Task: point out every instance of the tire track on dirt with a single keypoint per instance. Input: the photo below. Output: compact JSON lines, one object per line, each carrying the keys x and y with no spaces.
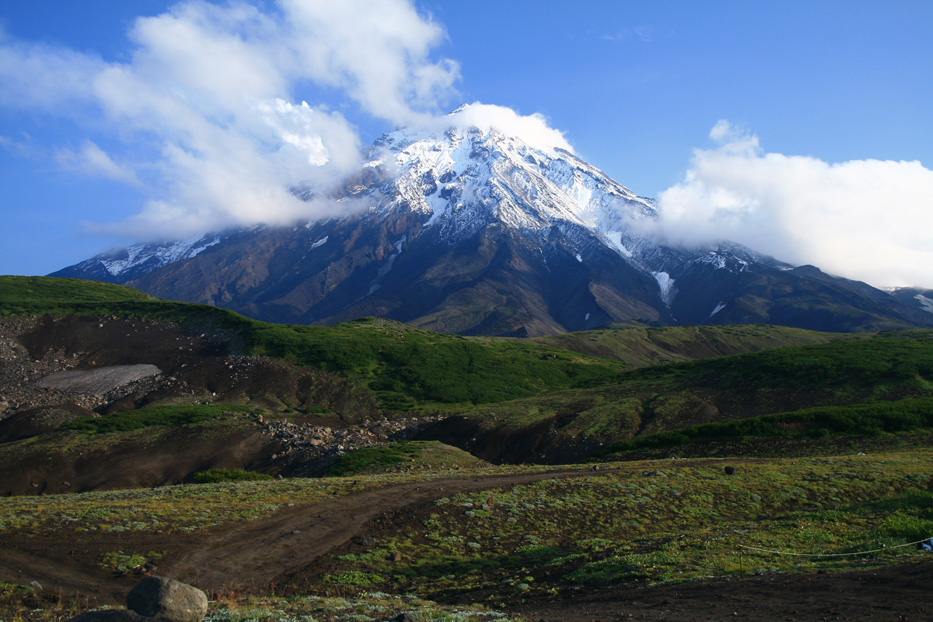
{"x":251,"y":555}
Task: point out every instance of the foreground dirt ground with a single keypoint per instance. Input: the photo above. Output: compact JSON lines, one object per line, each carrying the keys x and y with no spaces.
{"x":292,"y":546}
{"x":893,"y":594}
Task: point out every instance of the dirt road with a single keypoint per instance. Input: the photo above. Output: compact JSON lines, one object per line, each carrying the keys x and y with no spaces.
{"x":294,"y":542}
{"x":279,"y":548}
{"x":245,"y":555}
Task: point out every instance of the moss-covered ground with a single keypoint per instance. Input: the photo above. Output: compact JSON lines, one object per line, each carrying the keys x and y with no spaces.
{"x":664,"y":521}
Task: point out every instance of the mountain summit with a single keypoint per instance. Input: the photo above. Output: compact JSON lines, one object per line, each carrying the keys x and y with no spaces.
{"x":468,"y":227}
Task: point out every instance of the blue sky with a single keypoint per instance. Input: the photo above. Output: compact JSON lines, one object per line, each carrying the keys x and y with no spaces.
{"x":802,"y":129}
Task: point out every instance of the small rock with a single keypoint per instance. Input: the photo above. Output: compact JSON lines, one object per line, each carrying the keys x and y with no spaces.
{"x":730,"y":470}
{"x":396,"y":557}
{"x":168,"y":599}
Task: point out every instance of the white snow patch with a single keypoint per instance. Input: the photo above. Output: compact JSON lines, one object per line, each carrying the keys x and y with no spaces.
{"x":666,"y":285}
{"x":163,"y":255}
{"x":320,"y":242}
{"x":587,"y":317}
{"x":579,"y":258}
{"x":718,"y":308}
{"x":615,"y":238}
{"x":714,"y":259}
{"x":198,"y":250}
{"x":925,"y":303}
{"x":384,"y":270}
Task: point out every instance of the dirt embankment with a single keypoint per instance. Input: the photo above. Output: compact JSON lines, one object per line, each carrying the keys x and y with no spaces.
{"x":54,"y":369}
{"x":195,"y":368}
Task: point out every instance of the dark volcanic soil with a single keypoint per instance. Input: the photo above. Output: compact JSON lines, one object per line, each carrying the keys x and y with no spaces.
{"x":195,"y":368}
{"x":295,"y":544}
{"x":182,"y":367}
{"x":893,"y":594}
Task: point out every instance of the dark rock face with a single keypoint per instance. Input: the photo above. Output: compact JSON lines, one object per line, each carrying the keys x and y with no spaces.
{"x":167,"y":599}
{"x":496,"y":282}
{"x":502,"y":282}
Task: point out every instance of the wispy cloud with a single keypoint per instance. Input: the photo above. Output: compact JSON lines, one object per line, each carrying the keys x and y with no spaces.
{"x":94,"y":161}
{"x":864,"y":219}
{"x":208,"y":103}
{"x":643,"y":34}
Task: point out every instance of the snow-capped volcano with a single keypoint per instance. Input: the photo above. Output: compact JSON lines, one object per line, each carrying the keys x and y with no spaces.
{"x":465,"y":178}
{"x":484,"y":223}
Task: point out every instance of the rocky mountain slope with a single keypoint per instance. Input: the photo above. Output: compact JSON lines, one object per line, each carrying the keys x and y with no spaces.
{"x":471,"y":230}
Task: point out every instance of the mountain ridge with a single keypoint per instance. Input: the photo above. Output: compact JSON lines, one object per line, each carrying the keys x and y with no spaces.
{"x":475,"y":231}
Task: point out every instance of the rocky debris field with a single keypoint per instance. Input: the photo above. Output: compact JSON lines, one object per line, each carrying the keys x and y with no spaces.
{"x":307,"y":449}
{"x":20,"y":371}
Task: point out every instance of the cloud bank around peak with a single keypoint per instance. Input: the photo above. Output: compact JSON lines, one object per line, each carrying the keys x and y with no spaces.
{"x":532,"y":129}
{"x":210,"y":114}
{"x":868,"y":220}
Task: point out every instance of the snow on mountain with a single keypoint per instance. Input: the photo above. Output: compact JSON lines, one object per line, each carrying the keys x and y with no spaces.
{"x":925,"y":303}
{"x":485,"y":222}
{"x":157,"y":255}
{"x":121,"y":265}
{"x":465,"y":177}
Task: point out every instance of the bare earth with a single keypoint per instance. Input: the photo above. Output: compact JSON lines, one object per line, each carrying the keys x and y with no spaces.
{"x":293,"y":545}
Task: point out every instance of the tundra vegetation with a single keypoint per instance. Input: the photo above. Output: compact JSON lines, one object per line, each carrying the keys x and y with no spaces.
{"x":700,"y":452}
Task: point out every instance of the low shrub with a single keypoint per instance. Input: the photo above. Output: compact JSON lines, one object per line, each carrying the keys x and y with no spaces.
{"x":160,"y":416}
{"x":214,"y":476}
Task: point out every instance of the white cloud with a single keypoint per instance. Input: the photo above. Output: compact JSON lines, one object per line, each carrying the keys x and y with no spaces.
{"x":868,"y":220}
{"x":94,"y":161}
{"x":44,"y":76}
{"x":532,"y":129}
{"x":377,"y":51}
{"x":207,"y":103}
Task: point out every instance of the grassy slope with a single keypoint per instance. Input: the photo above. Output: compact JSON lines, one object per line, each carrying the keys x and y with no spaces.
{"x":888,"y":366}
{"x":783,"y":433}
{"x":26,"y":294}
{"x":400,"y":457}
{"x":645,"y":523}
{"x":406,"y":366}
{"x":146,"y":447}
{"x":411,"y":368}
{"x":642,"y":347}
{"x":657,"y":522}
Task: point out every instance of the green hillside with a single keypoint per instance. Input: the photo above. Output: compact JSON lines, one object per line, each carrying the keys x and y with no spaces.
{"x":642,"y":347}
{"x":536,"y":384}
{"x":407,"y":367}
{"x":34,"y":294}
{"x":885,"y":367}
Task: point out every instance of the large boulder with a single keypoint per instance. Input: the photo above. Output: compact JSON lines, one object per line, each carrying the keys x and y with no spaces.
{"x":168,"y":599}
